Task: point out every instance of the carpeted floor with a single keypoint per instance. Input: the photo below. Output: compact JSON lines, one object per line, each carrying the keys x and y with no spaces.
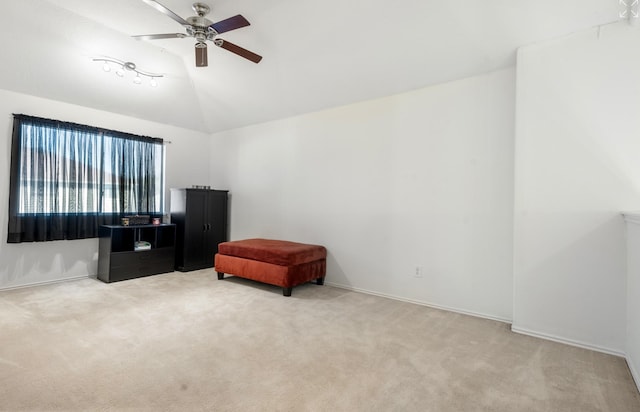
{"x":189,"y":342}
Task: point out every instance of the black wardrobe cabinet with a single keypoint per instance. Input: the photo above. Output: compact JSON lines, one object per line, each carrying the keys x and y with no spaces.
{"x":200,"y":216}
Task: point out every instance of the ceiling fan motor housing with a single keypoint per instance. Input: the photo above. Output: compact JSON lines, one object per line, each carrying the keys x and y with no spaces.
{"x":201,"y":26}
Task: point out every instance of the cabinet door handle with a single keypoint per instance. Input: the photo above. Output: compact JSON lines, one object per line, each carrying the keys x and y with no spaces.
{"x":208,"y":226}
{"x":204,"y":227}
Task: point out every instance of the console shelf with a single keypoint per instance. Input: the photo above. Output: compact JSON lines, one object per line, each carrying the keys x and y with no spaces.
{"x":128,"y":252}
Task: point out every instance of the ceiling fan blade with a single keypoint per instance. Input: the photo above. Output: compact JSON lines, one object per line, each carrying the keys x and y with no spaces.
{"x":160,"y":36}
{"x":162,"y":9}
{"x":229,"y":24}
{"x":238,"y":50}
{"x":201,"y":55}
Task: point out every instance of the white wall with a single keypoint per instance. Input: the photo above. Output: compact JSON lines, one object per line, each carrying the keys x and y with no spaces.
{"x":633,"y":295}
{"x":577,"y":151}
{"x":29,"y":263}
{"x":419,"y":179}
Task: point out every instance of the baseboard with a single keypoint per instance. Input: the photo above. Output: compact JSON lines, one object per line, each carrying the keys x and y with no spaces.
{"x":634,"y":372}
{"x":521,"y":331}
{"x":421,"y":303}
{"x":47,"y":282}
{"x":566,"y":341}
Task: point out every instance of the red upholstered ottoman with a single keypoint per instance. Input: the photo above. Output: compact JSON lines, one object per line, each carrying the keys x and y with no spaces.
{"x":276,"y":262}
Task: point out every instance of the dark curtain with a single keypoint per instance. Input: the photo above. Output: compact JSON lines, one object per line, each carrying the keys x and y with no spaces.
{"x":68,"y":179}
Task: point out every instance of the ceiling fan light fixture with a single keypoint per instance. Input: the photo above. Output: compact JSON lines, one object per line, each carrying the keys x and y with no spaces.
{"x":124,"y":67}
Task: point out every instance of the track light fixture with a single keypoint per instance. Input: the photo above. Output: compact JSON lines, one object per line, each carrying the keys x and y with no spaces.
{"x":123,"y":67}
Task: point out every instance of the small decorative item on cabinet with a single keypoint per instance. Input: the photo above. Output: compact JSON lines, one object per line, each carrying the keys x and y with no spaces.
{"x":138,"y":219}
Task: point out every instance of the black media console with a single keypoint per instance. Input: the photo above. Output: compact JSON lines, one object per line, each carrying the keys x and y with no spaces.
{"x":127,"y":252}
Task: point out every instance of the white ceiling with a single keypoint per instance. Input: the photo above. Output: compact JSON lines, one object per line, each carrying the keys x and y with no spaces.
{"x":317,"y":54}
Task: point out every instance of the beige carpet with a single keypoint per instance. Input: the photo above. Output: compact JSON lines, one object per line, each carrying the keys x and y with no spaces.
{"x":189,"y":342}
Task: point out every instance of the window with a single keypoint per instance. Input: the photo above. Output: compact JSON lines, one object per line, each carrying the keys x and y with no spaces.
{"x":67,"y":179}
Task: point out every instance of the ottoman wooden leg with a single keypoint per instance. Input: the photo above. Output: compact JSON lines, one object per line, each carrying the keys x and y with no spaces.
{"x":286,"y":291}
{"x":220,"y":275}
{"x":320,"y":281}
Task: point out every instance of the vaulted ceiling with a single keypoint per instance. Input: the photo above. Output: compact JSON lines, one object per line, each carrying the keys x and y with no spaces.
{"x":317,"y":54}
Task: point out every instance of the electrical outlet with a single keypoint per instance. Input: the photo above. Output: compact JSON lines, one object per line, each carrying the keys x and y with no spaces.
{"x":418,"y":272}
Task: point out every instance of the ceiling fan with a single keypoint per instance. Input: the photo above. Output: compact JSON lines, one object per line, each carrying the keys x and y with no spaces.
{"x":202,"y":29}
